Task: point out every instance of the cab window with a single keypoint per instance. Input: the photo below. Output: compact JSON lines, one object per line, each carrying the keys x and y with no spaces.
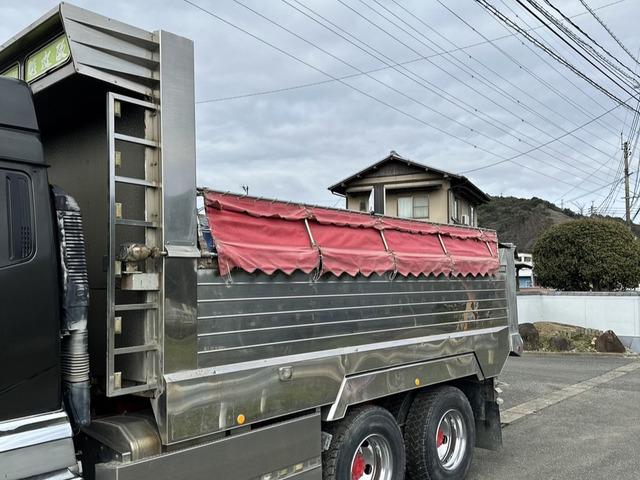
{"x":16,"y":217}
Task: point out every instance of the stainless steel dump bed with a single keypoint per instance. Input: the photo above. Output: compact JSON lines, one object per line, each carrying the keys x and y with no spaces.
{"x":287,"y":344}
{"x":258,"y":317}
{"x":278,"y":343}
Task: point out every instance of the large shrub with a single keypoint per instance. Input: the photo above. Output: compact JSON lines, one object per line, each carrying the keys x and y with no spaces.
{"x":584,"y":255}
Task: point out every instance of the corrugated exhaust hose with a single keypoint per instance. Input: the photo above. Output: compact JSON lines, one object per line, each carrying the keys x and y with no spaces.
{"x":75,"y":309}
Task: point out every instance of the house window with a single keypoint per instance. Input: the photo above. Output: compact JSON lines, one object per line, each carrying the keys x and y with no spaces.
{"x":454,"y":208}
{"x":405,"y":207}
{"x":420,"y":206}
{"x":472,"y":216}
{"x":364,"y":204}
{"x":415,"y":206}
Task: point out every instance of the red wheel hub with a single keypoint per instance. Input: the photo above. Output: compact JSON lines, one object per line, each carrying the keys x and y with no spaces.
{"x":358,"y":466}
{"x":439,"y":438}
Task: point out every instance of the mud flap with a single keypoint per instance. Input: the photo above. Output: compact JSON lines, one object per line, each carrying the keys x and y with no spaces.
{"x":489,"y":429}
{"x":484,"y":402}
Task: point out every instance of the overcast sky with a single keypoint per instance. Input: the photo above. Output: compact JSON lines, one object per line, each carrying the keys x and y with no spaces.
{"x":455,"y":111}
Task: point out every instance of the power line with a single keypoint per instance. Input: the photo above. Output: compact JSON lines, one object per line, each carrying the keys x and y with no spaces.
{"x":550,"y":141}
{"x":477,"y":75}
{"x":429,"y":86}
{"x":553,"y":67}
{"x":601,"y":22}
{"x":618,"y":181}
{"x":418,"y":59}
{"x":601,"y":61}
{"x":497,"y":74}
{"x":610,"y":197}
{"x":596,"y":170}
{"x":533,"y":74}
{"x":344,"y":77}
{"x":614,"y":188}
{"x":494,"y":11}
{"x":577,"y":27}
{"x":472,"y":108}
{"x":373,"y":97}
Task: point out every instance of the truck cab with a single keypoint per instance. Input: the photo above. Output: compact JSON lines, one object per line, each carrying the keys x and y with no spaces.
{"x":32,"y":418}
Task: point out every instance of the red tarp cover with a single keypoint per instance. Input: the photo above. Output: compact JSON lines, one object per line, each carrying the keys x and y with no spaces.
{"x":261,"y":243}
{"x":255,"y":234}
{"x":403,"y":225}
{"x":351,"y":250}
{"x":416,"y":254}
{"x":344,"y":218}
{"x":470,"y":257}
{"x":256,"y":207}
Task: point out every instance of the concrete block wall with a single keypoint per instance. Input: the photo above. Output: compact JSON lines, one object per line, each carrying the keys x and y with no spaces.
{"x":617,"y":311}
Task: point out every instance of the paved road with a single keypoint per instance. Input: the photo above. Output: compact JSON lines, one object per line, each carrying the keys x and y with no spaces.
{"x":594,"y":434}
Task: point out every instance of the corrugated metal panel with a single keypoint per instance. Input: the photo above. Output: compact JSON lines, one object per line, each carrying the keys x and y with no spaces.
{"x":257,"y":316}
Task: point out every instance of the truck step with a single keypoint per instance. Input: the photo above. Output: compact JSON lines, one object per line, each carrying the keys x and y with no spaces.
{"x":140,"y":141}
{"x":145,"y":387}
{"x":136,"y":181}
{"x":135,"y":349}
{"x":136,"y":223}
{"x":128,"y":307}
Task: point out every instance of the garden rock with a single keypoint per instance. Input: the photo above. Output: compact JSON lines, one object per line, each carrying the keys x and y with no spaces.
{"x":559,"y":343}
{"x":530,"y":336}
{"x":608,"y":342}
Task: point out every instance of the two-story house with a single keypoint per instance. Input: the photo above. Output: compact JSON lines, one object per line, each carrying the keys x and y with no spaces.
{"x":401,"y":187}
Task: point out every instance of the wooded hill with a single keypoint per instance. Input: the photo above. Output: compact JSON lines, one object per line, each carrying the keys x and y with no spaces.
{"x":522,"y":220}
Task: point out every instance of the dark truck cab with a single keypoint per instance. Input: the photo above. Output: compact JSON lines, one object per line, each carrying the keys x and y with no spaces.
{"x":32,"y":291}
{"x":29,"y":342}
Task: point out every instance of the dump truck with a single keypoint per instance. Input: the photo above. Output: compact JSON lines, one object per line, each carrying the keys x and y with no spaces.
{"x":266,"y":340}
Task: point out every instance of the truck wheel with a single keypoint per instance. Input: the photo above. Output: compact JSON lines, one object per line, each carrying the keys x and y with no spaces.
{"x":439,"y":435}
{"x":366,"y":445}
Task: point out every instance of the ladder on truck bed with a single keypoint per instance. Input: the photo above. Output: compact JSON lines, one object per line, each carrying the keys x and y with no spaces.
{"x":134,"y":288}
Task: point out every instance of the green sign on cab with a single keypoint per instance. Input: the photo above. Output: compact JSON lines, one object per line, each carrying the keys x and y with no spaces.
{"x":12,"y":72}
{"x":47,"y":58}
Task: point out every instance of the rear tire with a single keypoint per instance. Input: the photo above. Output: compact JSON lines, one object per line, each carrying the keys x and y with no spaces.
{"x":366,"y":445}
{"x":439,"y":435}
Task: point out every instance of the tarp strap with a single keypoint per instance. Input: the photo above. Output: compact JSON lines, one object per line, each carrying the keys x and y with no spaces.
{"x":394,"y":273}
{"x":483,"y":238}
{"x":444,"y":249}
{"x":384,"y":240}
{"x":315,"y":276}
{"x":306,"y":224}
{"x":489,"y":248}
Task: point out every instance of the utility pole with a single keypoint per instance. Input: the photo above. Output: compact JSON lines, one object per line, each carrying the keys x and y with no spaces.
{"x":627,"y":199}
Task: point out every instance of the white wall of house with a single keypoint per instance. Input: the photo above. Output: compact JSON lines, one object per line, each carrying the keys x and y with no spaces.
{"x":617,"y":311}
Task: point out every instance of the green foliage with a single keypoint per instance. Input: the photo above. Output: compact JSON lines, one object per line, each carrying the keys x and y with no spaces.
{"x":587,"y":254}
{"x":521,"y":220}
